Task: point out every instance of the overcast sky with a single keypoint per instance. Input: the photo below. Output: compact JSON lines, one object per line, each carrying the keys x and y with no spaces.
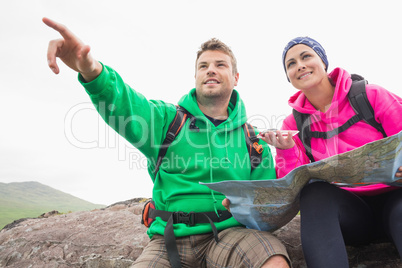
{"x":50,"y":132}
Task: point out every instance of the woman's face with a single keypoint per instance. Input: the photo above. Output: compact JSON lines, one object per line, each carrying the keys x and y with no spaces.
{"x":304,"y":67}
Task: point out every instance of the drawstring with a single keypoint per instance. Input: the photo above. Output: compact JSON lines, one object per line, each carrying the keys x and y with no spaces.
{"x":226,"y":145}
{"x":210,"y":170}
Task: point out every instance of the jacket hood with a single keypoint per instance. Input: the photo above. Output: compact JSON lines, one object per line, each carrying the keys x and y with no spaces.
{"x":236,"y":109}
{"x":342,"y":81}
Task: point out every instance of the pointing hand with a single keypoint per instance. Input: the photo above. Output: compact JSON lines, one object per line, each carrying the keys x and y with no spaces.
{"x":72,"y":51}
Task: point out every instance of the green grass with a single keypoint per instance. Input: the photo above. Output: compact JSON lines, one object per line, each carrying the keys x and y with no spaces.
{"x":31,"y":199}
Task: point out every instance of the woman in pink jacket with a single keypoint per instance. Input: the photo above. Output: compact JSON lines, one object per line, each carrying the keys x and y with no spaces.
{"x":332,"y":216}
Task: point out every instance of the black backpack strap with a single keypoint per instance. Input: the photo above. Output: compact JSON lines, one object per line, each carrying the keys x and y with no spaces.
{"x":191,"y":219}
{"x":327,"y":135}
{"x":174,"y":128}
{"x":305,"y":134}
{"x":364,"y":111}
{"x":254,"y":148}
{"x":303,"y":123}
{"x":358,"y":99}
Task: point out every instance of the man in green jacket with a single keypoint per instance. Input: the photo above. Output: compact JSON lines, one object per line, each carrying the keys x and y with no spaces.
{"x":210,"y":149}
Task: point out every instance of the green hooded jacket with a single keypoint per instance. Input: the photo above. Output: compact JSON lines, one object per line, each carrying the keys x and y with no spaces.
{"x":210,"y":154}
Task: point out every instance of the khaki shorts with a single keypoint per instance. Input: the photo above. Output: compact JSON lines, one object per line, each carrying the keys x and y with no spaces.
{"x":237,"y":247}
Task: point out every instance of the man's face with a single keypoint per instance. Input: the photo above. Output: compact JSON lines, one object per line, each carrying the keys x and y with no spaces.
{"x":214,"y":77}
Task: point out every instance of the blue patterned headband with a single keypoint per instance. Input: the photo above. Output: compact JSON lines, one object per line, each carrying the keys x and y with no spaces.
{"x":308,"y":42}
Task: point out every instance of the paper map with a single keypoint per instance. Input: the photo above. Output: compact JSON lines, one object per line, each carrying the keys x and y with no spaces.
{"x":269,"y":204}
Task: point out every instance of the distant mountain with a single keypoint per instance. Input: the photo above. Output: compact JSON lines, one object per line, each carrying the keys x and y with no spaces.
{"x":31,"y":199}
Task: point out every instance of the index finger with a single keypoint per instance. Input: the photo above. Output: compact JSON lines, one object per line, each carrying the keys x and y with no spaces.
{"x":63,"y":30}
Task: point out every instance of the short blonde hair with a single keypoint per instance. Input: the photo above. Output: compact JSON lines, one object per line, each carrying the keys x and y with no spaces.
{"x":216,"y":44}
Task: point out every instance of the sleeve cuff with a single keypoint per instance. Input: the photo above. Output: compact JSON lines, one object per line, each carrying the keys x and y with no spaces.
{"x":96,"y":86}
{"x":291,"y":152}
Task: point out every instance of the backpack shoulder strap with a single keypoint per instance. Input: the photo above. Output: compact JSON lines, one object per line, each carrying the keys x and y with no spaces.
{"x":364,"y":111}
{"x":305,"y":134}
{"x":254,"y":148}
{"x":174,"y":128}
{"x":358,"y":99}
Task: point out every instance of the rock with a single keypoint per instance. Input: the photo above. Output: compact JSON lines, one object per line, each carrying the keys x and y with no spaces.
{"x":113,"y":238}
{"x":49,"y":214}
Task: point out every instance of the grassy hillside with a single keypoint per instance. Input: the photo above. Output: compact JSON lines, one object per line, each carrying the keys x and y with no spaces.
{"x":31,"y":199}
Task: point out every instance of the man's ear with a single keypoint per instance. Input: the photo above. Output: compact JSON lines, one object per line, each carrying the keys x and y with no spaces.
{"x":236,"y":79}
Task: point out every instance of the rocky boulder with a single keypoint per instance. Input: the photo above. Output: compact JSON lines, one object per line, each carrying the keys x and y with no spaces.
{"x":113,"y":238}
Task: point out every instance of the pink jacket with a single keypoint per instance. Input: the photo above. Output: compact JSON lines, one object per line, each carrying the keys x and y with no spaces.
{"x":387,"y":109}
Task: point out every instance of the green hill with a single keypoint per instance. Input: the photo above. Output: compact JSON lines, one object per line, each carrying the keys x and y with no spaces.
{"x":31,"y":199}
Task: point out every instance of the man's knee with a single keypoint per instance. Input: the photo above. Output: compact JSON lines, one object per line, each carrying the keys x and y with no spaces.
{"x":276,"y":261}
{"x":250,"y":246}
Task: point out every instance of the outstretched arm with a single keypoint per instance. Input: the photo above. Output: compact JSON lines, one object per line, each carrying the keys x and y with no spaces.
{"x":72,"y":51}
